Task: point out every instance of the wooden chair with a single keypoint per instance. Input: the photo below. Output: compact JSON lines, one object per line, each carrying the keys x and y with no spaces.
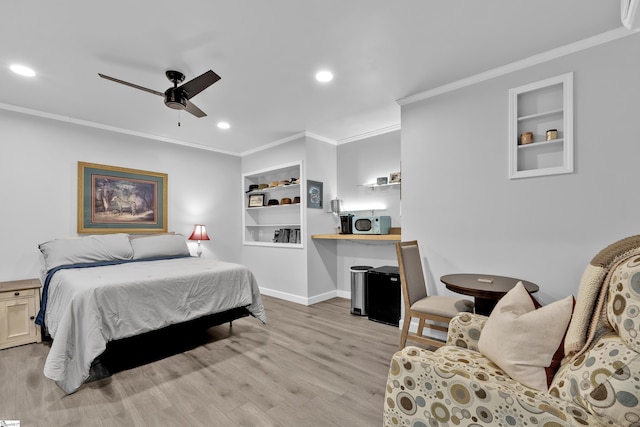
{"x":418,"y":304}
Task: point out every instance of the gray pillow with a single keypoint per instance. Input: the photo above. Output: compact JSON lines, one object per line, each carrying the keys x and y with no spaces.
{"x":108,"y":247}
{"x":160,"y":245}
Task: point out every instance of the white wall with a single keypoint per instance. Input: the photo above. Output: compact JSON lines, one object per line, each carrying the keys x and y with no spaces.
{"x":466,"y":214}
{"x":280,"y":272}
{"x":361,"y":162}
{"x":321,"y":259}
{"x":39,"y":168}
{"x":305,"y":275}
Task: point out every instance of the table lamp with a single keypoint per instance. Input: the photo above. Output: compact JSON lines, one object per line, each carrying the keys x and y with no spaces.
{"x":199,"y":233}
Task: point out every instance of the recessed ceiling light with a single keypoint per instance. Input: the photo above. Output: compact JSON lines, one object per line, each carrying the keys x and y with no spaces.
{"x":22,"y":70}
{"x":224,"y":125}
{"x":324,"y":76}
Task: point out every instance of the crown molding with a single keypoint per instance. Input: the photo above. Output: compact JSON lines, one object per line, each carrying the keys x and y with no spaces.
{"x":549,"y":55}
{"x":273,"y":144}
{"x":288,"y":139}
{"x":369,"y":134}
{"x":321,"y":138}
{"x":66,"y":119}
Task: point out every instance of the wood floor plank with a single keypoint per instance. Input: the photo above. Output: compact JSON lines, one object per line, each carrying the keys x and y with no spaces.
{"x":316,"y":365}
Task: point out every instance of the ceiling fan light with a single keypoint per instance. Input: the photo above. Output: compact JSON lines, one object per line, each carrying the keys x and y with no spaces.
{"x":324,"y":76}
{"x":175,"y":105}
{"x":224,"y":125}
{"x":22,"y":70}
{"x":174,"y":99}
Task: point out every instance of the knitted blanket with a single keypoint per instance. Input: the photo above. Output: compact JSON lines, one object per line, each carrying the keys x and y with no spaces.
{"x":589,"y":319}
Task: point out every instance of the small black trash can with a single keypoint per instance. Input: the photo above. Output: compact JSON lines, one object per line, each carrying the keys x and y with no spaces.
{"x":359,"y":289}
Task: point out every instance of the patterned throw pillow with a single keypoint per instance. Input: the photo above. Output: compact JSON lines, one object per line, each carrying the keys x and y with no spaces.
{"x":623,"y":303}
{"x":523,"y":340}
{"x":604,"y":380}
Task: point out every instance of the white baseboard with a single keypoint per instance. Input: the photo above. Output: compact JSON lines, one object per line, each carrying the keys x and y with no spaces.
{"x":344,"y":294}
{"x":322,"y":297}
{"x":297,"y":298}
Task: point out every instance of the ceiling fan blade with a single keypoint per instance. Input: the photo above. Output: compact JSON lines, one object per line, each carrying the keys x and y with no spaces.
{"x":191,"y":108}
{"x":200,"y":83}
{"x":113,"y":79}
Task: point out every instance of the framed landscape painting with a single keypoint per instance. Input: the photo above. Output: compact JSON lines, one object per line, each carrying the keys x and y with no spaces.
{"x":118,"y":200}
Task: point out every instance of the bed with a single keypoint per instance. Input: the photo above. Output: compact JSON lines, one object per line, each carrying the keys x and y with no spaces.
{"x":98,"y":289}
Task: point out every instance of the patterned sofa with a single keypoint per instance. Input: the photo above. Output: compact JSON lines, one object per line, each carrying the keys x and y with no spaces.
{"x":597,"y":383}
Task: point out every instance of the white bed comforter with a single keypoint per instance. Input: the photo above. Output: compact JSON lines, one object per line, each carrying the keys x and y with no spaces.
{"x":88,"y":307}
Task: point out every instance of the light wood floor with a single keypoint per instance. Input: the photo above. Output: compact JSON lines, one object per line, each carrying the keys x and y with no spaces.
{"x":309,"y":366}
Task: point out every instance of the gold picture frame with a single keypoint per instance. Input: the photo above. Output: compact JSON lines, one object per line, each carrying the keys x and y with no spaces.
{"x":113,"y":199}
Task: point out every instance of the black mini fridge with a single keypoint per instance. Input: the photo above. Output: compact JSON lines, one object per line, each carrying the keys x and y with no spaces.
{"x":383,"y":295}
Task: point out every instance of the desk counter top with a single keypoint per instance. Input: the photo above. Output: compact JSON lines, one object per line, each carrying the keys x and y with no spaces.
{"x":393,"y":236}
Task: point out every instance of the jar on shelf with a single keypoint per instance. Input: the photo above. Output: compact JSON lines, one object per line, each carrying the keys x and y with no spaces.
{"x":526,"y":138}
{"x":552,"y":134}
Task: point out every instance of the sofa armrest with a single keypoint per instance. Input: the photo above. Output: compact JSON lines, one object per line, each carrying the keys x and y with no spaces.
{"x":459,"y":387}
{"x":464,"y":330}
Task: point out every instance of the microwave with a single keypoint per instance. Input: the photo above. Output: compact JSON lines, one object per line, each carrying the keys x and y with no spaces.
{"x":371,"y":224}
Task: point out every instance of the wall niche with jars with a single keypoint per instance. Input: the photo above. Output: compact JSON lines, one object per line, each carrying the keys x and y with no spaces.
{"x":541,"y":128}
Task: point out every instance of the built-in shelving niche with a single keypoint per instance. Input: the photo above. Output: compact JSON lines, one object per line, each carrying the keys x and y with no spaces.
{"x":538,"y":107}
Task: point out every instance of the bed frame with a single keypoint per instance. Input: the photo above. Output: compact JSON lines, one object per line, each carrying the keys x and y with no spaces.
{"x":128,"y":353}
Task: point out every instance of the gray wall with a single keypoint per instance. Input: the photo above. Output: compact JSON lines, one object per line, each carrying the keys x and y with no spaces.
{"x":361,"y":162}
{"x":466,"y":214}
{"x":280,"y":272}
{"x":39,"y":168}
{"x":321,"y":269}
{"x":305,"y":275}
{"x":321,"y":260}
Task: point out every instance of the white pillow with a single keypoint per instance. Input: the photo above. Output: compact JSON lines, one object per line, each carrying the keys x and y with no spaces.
{"x":160,"y":245}
{"x":108,"y":247}
{"x":521,"y":340}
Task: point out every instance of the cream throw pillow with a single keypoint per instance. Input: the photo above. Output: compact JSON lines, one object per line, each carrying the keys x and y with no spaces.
{"x":522,"y":340}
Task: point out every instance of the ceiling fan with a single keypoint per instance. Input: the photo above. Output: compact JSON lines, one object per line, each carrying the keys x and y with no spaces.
{"x":177,"y":97}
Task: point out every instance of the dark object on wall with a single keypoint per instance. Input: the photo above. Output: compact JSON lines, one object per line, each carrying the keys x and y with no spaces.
{"x":383,"y":295}
{"x":314,"y":194}
{"x":177,"y":97}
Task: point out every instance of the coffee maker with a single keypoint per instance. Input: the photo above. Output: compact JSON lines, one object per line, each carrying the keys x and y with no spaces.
{"x":346,"y":224}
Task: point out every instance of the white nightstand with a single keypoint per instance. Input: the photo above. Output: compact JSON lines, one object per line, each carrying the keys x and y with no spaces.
{"x":19,"y":305}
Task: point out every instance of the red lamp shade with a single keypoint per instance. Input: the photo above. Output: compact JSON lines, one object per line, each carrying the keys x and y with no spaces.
{"x":199,"y":233}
